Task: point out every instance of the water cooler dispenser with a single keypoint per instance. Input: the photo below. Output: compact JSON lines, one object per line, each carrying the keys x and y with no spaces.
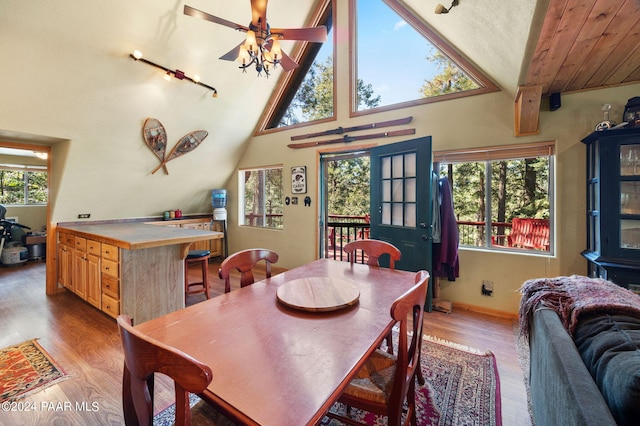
{"x":219,"y":202}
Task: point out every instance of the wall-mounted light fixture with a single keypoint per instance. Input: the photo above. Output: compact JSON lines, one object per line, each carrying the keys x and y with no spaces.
{"x":441,"y":9}
{"x":180,"y":75}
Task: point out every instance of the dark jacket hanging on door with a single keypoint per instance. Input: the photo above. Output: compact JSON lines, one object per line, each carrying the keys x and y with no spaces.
{"x":445,"y":253}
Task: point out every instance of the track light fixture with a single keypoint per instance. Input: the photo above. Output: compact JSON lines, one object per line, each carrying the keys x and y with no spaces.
{"x":180,"y":75}
{"x":441,"y":9}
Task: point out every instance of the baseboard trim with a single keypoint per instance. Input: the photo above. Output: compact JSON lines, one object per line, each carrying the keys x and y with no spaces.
{"x":487,"y":311}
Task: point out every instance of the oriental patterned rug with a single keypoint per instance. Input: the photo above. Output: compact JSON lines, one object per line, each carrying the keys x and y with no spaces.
{"x":26,"y":368}
{"x":462,"y":388}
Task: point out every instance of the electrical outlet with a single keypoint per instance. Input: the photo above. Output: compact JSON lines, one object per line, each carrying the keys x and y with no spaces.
{"x":487,"y":288}
{"x":84,"y":215}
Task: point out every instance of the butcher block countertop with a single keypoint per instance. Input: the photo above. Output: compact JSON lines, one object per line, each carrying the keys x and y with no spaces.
{"x":135,"y":236}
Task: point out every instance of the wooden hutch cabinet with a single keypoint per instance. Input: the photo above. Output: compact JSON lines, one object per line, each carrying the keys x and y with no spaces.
{"x":613,"y":206}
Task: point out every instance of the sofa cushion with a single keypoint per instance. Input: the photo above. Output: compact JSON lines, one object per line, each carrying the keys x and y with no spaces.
{"x":610,"y":348}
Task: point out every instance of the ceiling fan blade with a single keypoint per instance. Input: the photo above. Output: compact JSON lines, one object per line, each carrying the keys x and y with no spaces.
{"x":232,"y":55}
{"x":287,"y":63}
{"x":188,"y":10}
{"x":313,"y":34}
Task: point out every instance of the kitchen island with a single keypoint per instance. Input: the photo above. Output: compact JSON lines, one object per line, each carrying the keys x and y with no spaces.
{"x":132,"y":268}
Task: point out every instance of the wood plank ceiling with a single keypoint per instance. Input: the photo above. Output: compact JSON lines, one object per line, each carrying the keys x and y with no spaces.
{"x":587,"y":44}
{"x":583,"y":44}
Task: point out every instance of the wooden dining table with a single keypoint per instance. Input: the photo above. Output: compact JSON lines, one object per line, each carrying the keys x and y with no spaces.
{"x":274,"y":364}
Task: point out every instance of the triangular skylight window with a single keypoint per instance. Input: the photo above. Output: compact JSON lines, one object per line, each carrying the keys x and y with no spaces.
{"x":397,"y":65}
{"x":308,"y":91}
{"x":397,"y":61}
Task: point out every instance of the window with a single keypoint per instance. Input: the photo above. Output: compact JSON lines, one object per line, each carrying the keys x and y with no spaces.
{"x":20,"y":185}
{"x":400,"y":61}
{"x":261,"y":197}
{"x":503,"y":196}
{"x":308,"y":93}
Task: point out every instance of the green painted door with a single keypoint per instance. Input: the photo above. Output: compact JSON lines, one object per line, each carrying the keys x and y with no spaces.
{"x":401,"y":175}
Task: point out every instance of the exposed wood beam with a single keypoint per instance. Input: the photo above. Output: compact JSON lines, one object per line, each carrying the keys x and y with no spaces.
{"x":527,"y":110}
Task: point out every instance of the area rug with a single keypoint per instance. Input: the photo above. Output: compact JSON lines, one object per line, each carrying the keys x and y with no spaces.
{"x":462,"y":388}
{"x":26,"y":368}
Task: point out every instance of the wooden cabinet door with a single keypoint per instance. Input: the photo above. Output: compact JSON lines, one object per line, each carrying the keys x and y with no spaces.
{"x":65,"y":265}
{"x":94,"y":289}
{"x":198,"y":245}
{"x":80,"y":273}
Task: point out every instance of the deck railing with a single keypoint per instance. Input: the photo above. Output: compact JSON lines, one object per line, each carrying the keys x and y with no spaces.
{"x":526,"y":233}
{"x":474,"y":233}
{"x":267,"y":220}
{"x":341,"y":229}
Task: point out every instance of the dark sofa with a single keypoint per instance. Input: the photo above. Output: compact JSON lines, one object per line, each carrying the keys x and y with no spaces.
{"x":562,"y":389}
{"x":584,"y":342}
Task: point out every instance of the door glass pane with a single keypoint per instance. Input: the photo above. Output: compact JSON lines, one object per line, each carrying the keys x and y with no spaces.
{"x":410,"y":164}
{"x":397,"y":218}
{"x":397,"y":168}
{"x":630,"y":160}
{"x":397,"y":190}
{"x":386,"y":213}
{"x":630,"y":234}
{"x":386,"y":190}
{"x":410,"y":215}
{"x":630,"y":197}
{"x":410,"y":190}
{"x":386,"y":167}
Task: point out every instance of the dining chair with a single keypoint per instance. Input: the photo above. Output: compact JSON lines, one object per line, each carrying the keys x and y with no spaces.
{"x":385,"y":381}
{"x":244,"y":261}
{"x":373,"y":249}
{"x":143,"y":356}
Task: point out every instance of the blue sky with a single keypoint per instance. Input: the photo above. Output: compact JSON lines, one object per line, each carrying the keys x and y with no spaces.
{"x":391,"y":54}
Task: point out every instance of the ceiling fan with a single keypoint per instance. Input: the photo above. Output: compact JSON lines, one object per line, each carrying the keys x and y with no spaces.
{"x":261,"y":48}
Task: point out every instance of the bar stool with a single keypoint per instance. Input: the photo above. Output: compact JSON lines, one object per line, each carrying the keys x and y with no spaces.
{"x":194,"y":256}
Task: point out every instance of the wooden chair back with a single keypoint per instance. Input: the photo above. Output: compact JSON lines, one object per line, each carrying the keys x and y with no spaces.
{"x":244,"y":261}
{"x":373,"y":249}
{"x":373,"y":389}
{"x":409,"y":347}
{"x":143,"y":357}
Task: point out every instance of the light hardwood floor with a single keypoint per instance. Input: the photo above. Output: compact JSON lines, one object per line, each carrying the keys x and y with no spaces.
{"x":85,"y":343}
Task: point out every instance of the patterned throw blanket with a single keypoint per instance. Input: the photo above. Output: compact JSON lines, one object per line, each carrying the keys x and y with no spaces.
{"x":573,"y":297}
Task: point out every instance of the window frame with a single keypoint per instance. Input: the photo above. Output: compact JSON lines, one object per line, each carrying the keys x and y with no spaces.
{"x":27,"y":169}
{"x":488,"y":155}
{"x":241,"y":197}
{"x":304,"y":54}
{"x":486,"y":85}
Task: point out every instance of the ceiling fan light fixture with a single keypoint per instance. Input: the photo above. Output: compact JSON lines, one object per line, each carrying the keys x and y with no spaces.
{"x":275,"y":49}
{"x":250,"y":43}
{"x":243,"y":54}
{"x":259,"y":39}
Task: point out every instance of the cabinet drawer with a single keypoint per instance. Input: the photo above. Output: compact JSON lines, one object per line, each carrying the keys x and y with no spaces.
{"x":109,"y":252}
{"x":67,"y":239}
{"x":110,"y":305}
{"x":94,"y":247}
{"x":109,"y":267}
{"x":110,"y":286}
{"x":81,"y":243}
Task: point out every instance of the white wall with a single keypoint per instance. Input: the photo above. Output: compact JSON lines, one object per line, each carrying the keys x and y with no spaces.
{"x":69,"y":78}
